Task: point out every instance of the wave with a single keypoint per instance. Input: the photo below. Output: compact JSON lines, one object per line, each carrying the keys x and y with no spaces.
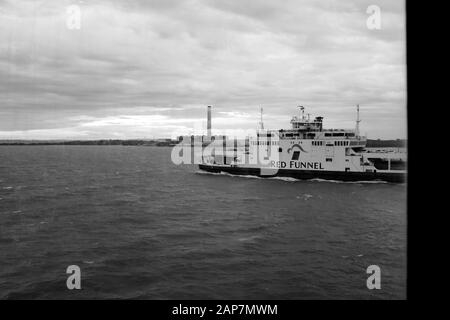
{"x":248,"y":176}
{"x":289,"y":179}
{"x":353,"y":256}
{"x":223,"y":173}
{"x":351,"y":182}
{"x":250,"y":238}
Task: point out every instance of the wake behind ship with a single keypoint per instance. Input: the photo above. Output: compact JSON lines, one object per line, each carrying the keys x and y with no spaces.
{"x":304,"y":151}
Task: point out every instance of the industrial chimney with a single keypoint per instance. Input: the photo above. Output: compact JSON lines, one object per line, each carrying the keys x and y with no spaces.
{"x":209,"y":121}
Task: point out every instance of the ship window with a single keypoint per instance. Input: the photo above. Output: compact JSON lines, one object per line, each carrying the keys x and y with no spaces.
{"x":329,"y":159}
{"x":280,"y":149}
{"x":296,"y":155}
{"x":327,"y":134}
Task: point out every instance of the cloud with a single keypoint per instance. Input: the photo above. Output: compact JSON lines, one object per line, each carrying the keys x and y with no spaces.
{"x":167,"y":60}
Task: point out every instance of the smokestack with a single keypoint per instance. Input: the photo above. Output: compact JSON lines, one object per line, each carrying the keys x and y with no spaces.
{"x":209,"y":121}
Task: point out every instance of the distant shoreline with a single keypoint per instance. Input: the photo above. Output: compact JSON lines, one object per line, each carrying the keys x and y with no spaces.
{"x":102,"y":142}
{"x":398,"y":143}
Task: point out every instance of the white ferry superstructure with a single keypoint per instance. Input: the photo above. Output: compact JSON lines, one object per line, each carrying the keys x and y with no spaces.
{"x":304,"y":151}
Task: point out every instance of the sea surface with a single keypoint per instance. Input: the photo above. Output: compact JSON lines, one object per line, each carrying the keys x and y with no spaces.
{"x":140,"y":227}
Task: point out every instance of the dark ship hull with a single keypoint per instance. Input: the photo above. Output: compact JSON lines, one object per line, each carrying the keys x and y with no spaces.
{"x":395,"y":177}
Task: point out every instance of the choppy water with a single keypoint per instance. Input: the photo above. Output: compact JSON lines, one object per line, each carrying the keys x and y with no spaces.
{"x":140,"y":227}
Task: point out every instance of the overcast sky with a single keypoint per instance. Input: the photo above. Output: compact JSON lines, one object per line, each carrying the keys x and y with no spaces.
{"x":146,"y":69}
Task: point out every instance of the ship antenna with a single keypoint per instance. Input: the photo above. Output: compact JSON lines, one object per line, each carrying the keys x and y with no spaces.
{"x":302,"y":108}
{"x":358,"y":120}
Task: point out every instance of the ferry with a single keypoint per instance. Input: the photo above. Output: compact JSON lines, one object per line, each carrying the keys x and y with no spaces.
{"x":306,"y":150}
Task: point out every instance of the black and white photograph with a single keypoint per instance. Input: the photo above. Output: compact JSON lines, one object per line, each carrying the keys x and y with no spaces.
{"x":203,"y":150}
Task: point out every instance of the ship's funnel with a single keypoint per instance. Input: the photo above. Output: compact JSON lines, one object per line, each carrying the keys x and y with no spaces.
{"x":209,"y":121}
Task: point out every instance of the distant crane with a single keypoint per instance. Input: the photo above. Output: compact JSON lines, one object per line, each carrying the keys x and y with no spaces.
{"x":261,"y":123}
{"x":358,"y":120}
